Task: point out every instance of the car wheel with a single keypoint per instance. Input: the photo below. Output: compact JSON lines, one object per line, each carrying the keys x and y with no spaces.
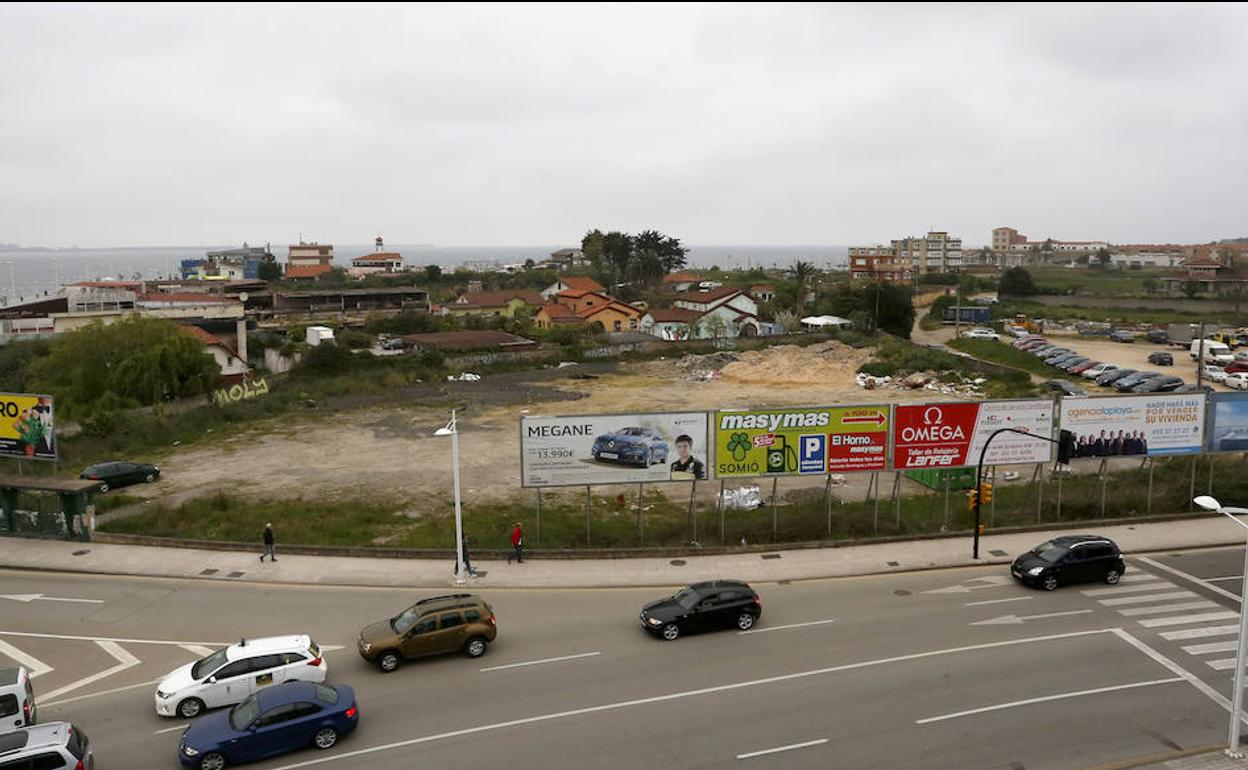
{"x":745,"y":621}
{"x":1049,"y":583}
{"x":213,"y":761}
{"x":1112,"y":577}
{"x":190,"y":708}
{"x":388,"y":661}
{"x":104,"y":486}
{"x":475,"y":647}
{"x":670,"y":632}
{"x":325,"y":738}
{"x":149,"y":478}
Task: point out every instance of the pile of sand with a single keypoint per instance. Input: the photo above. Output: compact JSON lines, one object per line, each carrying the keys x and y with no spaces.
{"x":827,"y":363}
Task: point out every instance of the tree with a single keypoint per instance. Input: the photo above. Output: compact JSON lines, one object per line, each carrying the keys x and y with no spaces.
{"x":592,"y":247}
{"x":269,"y":269}
{"x":529,"y":264}
{"x":1150,"y":284}
{"x":1192,"y":288}
{"x":801,"y":273}
{"x":432,"y":273}
{"x":891,"y":305}
{"x":1016,"y":282}
{"x":1102,"y":257}
{"x":670,"y":253}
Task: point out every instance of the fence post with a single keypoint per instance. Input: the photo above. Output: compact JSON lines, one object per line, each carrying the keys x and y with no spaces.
{"x":827,"y":500}
{"x":586,"y":515}
{"x":897,"y":497}
{"x":539,"y":517}
{"x":1104,"y":481}
{"x":641,"y":522}
{"x":775,"y":482}
{"x":1212,"y":459}
{"x":693,"y":517}
{"x":1191,"y":492}
{"x":945,"y":527}
{"x":1059,"y":493}
{"x":875,"y":477}
{"x":1148,"y":509}
{"x":992,"y":507}
{"x":1037,"y":478}
{"x":720,"y":505}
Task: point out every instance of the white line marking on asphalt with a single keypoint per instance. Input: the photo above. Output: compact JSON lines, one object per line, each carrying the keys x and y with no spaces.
{"x":999,"y":601}
{"x":1180,"y":573}
{"x":1147,"y":598}
{"x":1205,"y":649}
{"x":1199,"y":633}
{"x":1228,"y":577}
{"x":784,"y":628}
{"x":688,"y":694}
{"x":1135,"y":577}
{"x":101,"y":692}
{"x":1129,"y":589}
{"x":778,"y":749}
{"x":1175,"y":669}
{"x":1047,"y":698}
{"x":1221,"y":665}
{"x":543,"y":660}
{"x":28,"y":598}
{"x":988,"y":581}
{"x":123,"y":641}
{"x":199,"y":650}
{"x":1181,"y":620}
{"x":1203,"y":604}
{"x":36,"y":666}
{"x":171,"y":729}
{"x":124,"y":661}
{"x":1015,"y":620}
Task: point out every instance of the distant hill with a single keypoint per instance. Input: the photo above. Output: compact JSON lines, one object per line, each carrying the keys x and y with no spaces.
{"x":1234,"y":240}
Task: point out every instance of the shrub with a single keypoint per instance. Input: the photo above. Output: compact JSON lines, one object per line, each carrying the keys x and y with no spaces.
{"x":878,"y":369}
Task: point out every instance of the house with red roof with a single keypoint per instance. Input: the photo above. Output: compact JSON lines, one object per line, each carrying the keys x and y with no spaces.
{"x":506,"y":303}
{"x":571,"y":283}
{"x":233,"y":366}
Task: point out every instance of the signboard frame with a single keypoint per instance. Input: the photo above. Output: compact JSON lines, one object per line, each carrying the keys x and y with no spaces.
{"x":998,"y":447}
{"x":807,"y":438}
{"x":15,"y":412}
{"x":1150,"y":445}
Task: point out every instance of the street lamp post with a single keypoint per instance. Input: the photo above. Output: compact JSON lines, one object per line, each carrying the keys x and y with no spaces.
{"x":452,"y":430}
{"x":979,"y":471}
{"x":1237,"y":699}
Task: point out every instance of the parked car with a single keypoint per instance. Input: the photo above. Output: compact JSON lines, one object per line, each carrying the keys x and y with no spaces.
{"x":1236,"y":366}
{"x":51,"y":745}
{"x":17,"y":698}
{"x":1192,"y":387}
{"x":981,"y":334}
{"x":1070,"y":559}
{"x":284,"y":718}
{"x":1127,"y":383}
{"x":1017,"y":331}
{"x":1057,"y":358}
{"x":1093,"y":372}
{"x":1213,"y":373}
{"x":640,"y":446}
{"x":434,"y":626}
{"x":1162,"y":384}
{"x":230,"y":675}
{"x":1159,"y":336}
{"x":1122,"y":336}
{"x":1237,"y":380}
{"x":1029,"y":342}
{"x":1109,"y":378}
{"x":703,"y":607}
{"x":1160,"y":358}
{"x":1065,"y":387}
{"x":1083,"y":367}
{"x":118,"y":473}
{"x":1066,"y":363}
{"x":1044,"y":351}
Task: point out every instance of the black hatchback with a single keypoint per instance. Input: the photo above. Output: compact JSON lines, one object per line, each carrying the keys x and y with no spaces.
{"x":1070,"y":559}
{"x":708,"y":606}
{"x":118,"y":474}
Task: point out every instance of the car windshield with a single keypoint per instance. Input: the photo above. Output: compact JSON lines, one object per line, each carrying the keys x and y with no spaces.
{"x":245,"y":713}
{"x":1050,"y":552}
{"x":206,"y":666}
{"x":688,"y":598}
{"x":405,"y":620}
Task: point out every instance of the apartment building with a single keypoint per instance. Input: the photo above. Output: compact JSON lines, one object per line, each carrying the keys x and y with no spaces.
{"x":309,"y":260}
{"x":904,"y":258}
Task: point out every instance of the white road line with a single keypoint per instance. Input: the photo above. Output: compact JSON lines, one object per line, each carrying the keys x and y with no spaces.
{"x":1182,"y":620}
{"x":1205,"y":649}
{"x":1221,"y":665}
{"x":1199,"y":633}
{"x":1047,"y":698}
{"x":171,"y":729}
{"x":199,"y":650}
{"x":1180,"y":573}
{"x":1228,"y":577}
{"x":1136,"y":577}
{"x":122,"y":641}
{"x":124,"y":661}
{"x":1175,"y":669}
{"x":778,"y":749}
{"x":783,"y":628}
{"x":1149,"y":598}
{"x":1116,"y":590}
{"x":543,"y":660}
{"x":1203,"y":604}
{"x":618,"y":705}
{"x":999,"y":601}
{"x":101,"y":692}
{"x":36,"y":666}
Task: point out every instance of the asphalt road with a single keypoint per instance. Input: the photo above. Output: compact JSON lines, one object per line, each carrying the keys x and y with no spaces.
{"x":872,"y":672}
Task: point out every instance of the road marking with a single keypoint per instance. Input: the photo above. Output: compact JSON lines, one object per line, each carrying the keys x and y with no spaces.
{"x":121,"y":641}
{"x":1222,"y":664}
{"x":101,"y":692}
{"x":1135,"y":577}
{"x":202,"y":652}
{"x":124,"y":661}
{"x":618,"y":705}
{"x":1205,"y":649}
{"x":1199,"y":633}
{"x":778,"y":749}
{"x":28,"y":598}
{"x":1228,"y":577}
{"x":1129,"y":589}
{"x":988,"y":581}
{"x":543,"y":660}
{"x":36,"y":666}
{"x":1180,"y":573}
{"x":1175,"y":669}
{"x":1047,"y":698}
{"x":999,"y":601}
{"x":1180,"y":620}
{"x":1203,"y":604}
{"x":1149,"y":598}
{"x":1014,"y":620}
{"x":171,"y":729}
{"x":782,"y":628}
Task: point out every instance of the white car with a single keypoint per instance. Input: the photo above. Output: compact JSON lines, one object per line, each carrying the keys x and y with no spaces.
{"x":1238,"y":381}
{"x":1096,"y":371}
{"x":230,"y":675}
{"x":981,"y":334}
{"x":1214,"y":373}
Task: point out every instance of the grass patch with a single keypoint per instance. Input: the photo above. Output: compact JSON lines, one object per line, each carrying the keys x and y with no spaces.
{"x":1005,"y":311}
{"x":899,"y":357}
{"x":114,"y":500}
{"x":1002,"y":353}
{"x":1096,"y":282}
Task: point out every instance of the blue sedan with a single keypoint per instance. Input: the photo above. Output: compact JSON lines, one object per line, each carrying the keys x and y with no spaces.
{"x":276,"y":720}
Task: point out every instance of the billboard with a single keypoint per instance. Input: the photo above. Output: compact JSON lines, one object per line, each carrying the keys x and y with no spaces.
{"x":793,"y":442}
{"x":1154,"y":424}
{"x":951,"y":435}
{"x":26,"y":427}
{"x":1228,"y":422}
{"x":612,"y":449}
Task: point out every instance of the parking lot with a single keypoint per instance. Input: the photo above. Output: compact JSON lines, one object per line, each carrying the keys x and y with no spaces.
{"x":1129,"y":355}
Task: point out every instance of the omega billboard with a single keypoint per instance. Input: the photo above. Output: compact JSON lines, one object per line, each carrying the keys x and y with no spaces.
{"x":951,"y":435}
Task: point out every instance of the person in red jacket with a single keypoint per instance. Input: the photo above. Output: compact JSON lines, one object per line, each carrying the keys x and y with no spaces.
{"x":517,"y":544}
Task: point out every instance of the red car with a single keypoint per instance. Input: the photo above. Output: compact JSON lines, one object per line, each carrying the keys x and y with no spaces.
{"x":1081,"y":367}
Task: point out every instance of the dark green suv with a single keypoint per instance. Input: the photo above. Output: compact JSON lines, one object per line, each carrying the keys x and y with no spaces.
{"x":439,"y":624}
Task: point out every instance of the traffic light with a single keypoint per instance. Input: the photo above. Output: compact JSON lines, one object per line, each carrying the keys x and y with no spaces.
{"x":1065,"y":447}
{"x":985,"y":492}
{"x":971,"y":497}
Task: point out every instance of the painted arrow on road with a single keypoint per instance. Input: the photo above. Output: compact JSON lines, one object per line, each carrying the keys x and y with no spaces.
{"x":27,"y":598}
{"x":992,"y":581}
{"x":1017,"y":620}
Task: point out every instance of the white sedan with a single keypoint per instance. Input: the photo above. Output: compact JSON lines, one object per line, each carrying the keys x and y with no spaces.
{"x":981,"y":334}
{"x":1238,"y":381}
{"x":1214,"y":373}
{"x":231,"y":675}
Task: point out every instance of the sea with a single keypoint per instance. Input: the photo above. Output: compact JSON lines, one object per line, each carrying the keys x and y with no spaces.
{"x":27,"y":273}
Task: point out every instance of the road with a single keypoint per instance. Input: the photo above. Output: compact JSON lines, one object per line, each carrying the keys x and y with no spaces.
{"x":938,"y":669}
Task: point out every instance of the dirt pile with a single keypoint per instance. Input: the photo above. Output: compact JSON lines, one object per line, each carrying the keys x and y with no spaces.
{"x":827,"y":363}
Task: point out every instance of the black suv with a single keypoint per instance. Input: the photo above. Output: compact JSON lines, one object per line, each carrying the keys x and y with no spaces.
{"x":705,"y":606}
{"x":1160,"y":358}
{"x":1070,"y":559}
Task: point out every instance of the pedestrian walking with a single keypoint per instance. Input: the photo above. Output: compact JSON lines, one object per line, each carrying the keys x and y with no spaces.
{"x":463,"y":553}
{"x":517,"y":544}
{"x":270,"y":547}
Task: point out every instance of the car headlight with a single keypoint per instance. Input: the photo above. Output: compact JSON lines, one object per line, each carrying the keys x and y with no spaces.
{"x":162,"y":695}
{"x":653,"y":621}
{"x":189,"y":750}
{"x":365,"y":646}
{"x":1035,"y":571}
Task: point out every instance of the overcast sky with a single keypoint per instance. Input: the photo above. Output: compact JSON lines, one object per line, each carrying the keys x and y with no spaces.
{"x":483,"y":125}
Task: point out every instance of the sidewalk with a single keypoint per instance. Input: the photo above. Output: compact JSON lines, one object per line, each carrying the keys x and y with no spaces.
{"x":151,"y":561}
{"x":1210,"y":760}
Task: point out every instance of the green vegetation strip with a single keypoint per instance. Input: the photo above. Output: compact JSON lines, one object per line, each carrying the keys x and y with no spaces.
{"x":1005,"y":354}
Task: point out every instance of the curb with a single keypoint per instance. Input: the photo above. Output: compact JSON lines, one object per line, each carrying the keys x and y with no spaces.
{"x":1157,"y":759}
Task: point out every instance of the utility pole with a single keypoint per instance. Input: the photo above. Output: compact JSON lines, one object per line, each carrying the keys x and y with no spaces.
{"x":1200,"y":359}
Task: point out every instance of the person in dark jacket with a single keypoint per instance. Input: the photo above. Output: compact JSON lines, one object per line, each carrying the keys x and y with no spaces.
{"x":517,"y":544}
{"x":270,"y":547}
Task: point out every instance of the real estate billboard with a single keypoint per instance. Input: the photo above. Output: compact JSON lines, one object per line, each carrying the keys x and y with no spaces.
{"x":952,"y":435}
{"x":26,"y":426}
{"x":613,"y":449}
{"x":1151,"y":424}
{"x":1228,"y":422}
{"x":803,"y":441}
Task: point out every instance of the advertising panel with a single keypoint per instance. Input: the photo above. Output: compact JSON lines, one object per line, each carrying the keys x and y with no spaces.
{"x":951,"y":435}
{"x":612,"y":449}
{"x":26,"y":427}
{"x":793,"y":442}
{"x":1155,"y":424}
{"x":1228,"y":426}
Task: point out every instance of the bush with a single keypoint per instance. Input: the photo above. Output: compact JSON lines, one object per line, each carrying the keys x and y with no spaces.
{"x":327,"y":358}
{"x":878,"y":369}
{"x":355,"y":340}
